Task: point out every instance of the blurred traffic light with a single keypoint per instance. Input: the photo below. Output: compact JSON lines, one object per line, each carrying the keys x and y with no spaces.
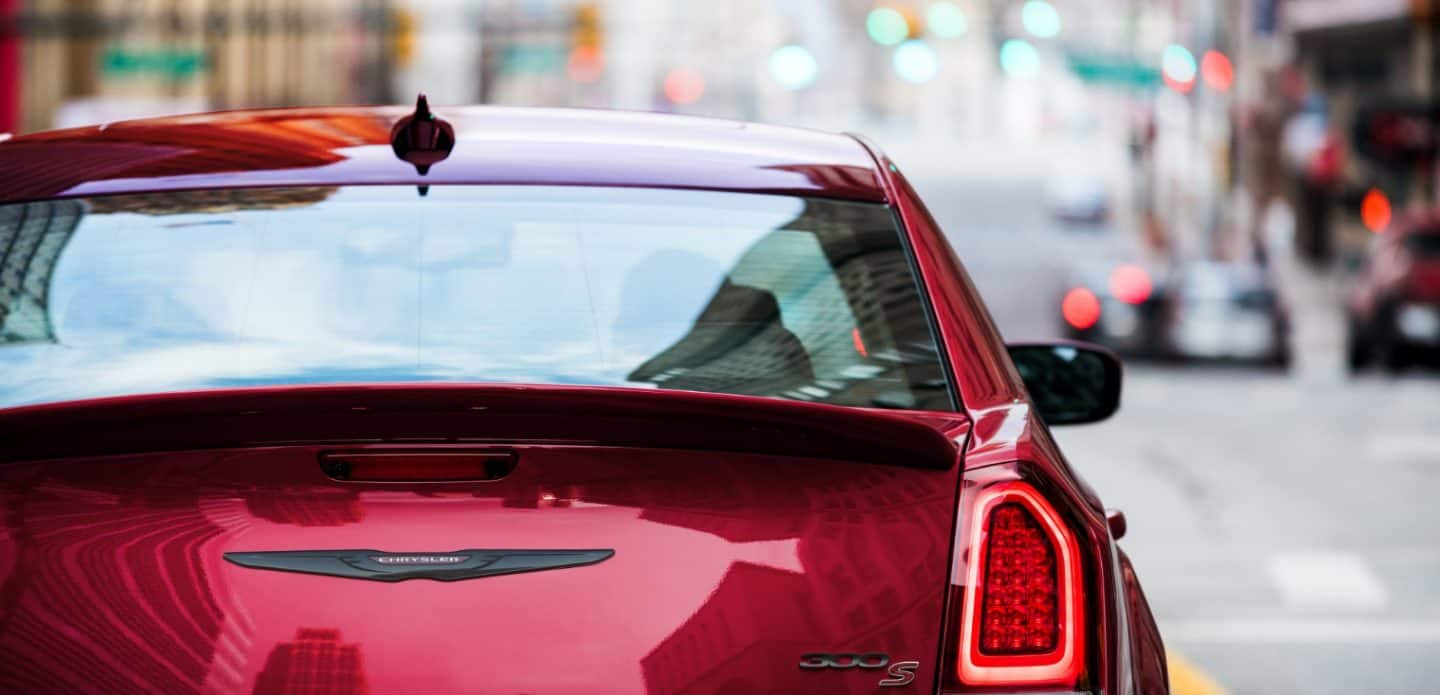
{"x":1177,"y":64}
{"x":945,"y":20}
{"x":1041,"y":19}
{"x":1018,"y":58}
{"x":1375,"y":210}
{"x":684,"y":86}
{"x":402,"y":36}
{"x":793,"y":67}
{"x":1218,"y":71}
{"x":886,"y":26}
{"x":586,"y":62}
{"x":916,"y":62}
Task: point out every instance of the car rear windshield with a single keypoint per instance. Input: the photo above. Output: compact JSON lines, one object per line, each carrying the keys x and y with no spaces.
{"x":765,"y":295}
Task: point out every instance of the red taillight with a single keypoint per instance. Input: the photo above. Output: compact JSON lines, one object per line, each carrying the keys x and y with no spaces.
{"x":1023,"y":612}
{"x":1081,"y":308}
{"x":1020,"y":611}
{"x":1131,"y":284}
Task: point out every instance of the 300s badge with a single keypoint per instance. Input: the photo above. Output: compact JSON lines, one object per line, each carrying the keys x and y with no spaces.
{"x":900,"y":673}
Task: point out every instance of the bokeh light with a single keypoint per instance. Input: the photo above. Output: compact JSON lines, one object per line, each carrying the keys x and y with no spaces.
{"x":886,"y":26}
{"x":1177,"y":64}
{"x":916,"y":62}
{"x":1041,"y":19}
{"x":684,"y":86}
{"x":1131,"y":284}
{"x":1218,"y":71}
{"x":1081,"y":308}
{"x":585,"y":65}
{"x":1375,"y":210}
{"x":1018,"y":58}
{"x":946,"y":20}
{"x":793,"y":67}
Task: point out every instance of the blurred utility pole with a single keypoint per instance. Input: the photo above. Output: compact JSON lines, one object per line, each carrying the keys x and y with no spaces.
{"x":635,"y":31}
{"x":1427,"y":86}
{"x":436,"y":50}
{"x":9,"y":65}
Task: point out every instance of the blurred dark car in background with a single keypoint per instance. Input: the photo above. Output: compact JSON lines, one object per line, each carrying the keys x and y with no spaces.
{"x":1118,"y":305}
{"x":1227,"y":312}
{"x":1394,"y":305}
{"x":1201,"y":311}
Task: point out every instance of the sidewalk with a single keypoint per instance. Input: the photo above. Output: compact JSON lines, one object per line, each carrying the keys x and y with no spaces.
{"x":1317,"y":321}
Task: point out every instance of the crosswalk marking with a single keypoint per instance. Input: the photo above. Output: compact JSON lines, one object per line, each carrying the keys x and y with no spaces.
{"x":1327,"y":580}
{"x":1402,"y":447}
{"x":1301,"y":631}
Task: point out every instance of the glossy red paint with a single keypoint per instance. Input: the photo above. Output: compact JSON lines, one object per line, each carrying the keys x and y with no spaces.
{"x":466,"y":413}
{"x":351,"y":145}
{"x":747,"y":531}
{"x":727,"y":568}
{"x":1008,"y":442}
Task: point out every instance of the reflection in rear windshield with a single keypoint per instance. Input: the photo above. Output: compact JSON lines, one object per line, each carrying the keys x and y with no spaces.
{"x":723,"y":292}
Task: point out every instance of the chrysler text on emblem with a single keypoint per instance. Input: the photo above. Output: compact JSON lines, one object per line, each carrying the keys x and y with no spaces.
{"x":419,"y":559}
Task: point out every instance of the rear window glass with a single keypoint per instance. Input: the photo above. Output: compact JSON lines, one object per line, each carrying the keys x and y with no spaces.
{"x":766,"y":295}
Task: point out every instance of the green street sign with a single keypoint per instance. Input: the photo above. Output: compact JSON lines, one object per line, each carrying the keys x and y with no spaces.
{"x":532,"y":59}
{"x":175,"y":64}
{"x":1114,"y":70}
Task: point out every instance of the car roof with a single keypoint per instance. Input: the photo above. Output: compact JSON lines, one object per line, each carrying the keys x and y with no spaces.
{"x":494,"y":145}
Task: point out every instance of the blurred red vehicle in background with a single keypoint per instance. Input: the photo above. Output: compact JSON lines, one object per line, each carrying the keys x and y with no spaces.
{"x":1394,"y":307}
{"x":528,"y":401}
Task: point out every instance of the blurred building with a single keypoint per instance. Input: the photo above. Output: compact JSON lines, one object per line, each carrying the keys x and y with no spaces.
{"x":315,"y":662}
{"x":74,"y":544}
{"x":32,"y":237}
{"x":70,"y":62}
{"x":87,"y":61}
{"x":324,"y":507}
{"x":1362,"y":62}
{"x":863,"y":598}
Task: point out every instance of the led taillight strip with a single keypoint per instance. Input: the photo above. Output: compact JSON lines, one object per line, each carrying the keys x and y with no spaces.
{"x":1060,"y":666}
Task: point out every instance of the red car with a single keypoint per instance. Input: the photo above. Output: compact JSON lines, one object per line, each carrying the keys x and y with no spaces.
{"x":528,"y":401}
{"x":1394,"y":307}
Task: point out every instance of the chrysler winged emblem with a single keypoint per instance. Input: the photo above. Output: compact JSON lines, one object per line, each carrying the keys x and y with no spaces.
{"x":397,"y":567}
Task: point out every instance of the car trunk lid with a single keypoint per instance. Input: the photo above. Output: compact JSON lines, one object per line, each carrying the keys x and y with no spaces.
{"x":706,"y":557}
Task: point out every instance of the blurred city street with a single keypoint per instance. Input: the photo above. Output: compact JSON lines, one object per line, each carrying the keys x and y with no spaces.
{"x":1204,"y":186}
{"x":1282,"y":522}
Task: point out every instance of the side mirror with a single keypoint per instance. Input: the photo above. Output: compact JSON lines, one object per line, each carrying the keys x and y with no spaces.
{"x":1070,"y":383}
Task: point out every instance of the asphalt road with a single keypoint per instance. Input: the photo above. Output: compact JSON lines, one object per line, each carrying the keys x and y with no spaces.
{"x":1284,"y":525}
